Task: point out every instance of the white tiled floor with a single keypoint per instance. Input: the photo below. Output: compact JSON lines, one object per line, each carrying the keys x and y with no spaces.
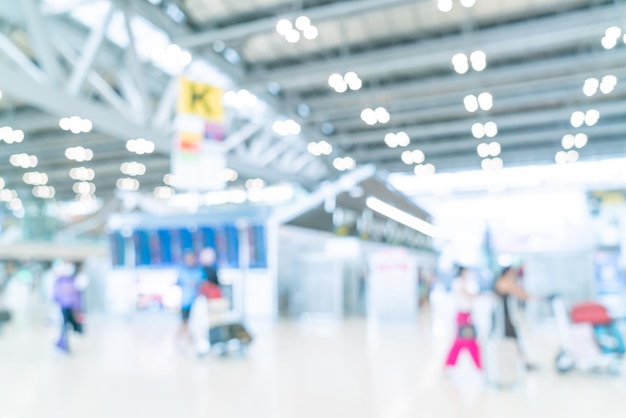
{"x":133,"y":369}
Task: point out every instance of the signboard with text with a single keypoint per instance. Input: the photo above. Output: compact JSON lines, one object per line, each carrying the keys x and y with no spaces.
{"x":198,"y":158}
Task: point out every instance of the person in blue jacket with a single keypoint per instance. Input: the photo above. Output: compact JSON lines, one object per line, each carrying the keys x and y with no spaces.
{"x":190,"y":277}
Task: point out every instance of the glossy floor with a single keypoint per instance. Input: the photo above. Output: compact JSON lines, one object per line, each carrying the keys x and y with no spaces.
{"x":133,"y":368}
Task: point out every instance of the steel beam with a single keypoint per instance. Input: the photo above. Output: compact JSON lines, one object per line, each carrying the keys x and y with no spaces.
{"x":38,"y":35}
{"x":335,"y":10}
{"x":89,"y":53}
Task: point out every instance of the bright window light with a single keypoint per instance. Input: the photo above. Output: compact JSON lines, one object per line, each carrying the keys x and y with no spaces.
{"x":401,"y":217}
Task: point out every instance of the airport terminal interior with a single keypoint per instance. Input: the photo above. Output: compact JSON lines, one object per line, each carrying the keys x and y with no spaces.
{"x":312,"y":208}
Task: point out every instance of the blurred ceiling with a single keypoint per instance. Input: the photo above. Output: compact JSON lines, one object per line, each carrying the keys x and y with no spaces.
{"x":75,"y":57}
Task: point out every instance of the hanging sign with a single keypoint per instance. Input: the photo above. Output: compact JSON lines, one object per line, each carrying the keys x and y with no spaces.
{"x":198,"y":157}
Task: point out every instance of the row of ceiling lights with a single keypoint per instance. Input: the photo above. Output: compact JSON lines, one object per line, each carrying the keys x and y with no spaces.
{"x":612,"y":37}
{"x":590,"y":118}
{"x":447,"y":5}
{"x":293,"y":32}
{"x":477,"y":59}
{"x":341,"y":83}
{"x":76,"y":124}
{"x":10,"y":135}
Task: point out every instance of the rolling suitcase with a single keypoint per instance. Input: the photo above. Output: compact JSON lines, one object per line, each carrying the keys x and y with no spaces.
{"x":502,"y":362}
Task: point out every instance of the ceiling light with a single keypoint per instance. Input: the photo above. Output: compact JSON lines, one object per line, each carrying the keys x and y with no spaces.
{"x":572,"y":156}
{"x":127,"y":184}
{"x":82,"y":173}
{"x":478,"y":130}
{"x":444,"y":5}
{"x":495,"y":149}
{"x":391,"y":140}
{"x":608,"y":84}
{"x":486,"y":164}
{"x":471,"y":103}
{"x":169,"y":179}
{"x":568,"y":141}
{"x":283,"y":27}
{"x":303,"y":22}
{"x":468,"y":3}
{"x":591,"y":117}
{"x":314,"y":149}
{"x":368,"y":116}
{"x":382,"y":115}
{"x":141,"y":145}
{"x":133,"y":169}
{"x":355,"y":84}
{"x":164,"y":192}
{"x":580,"y":141}
{"x":479,"y":60}
{"x":614,"y":32}
{"x":228,"y":174}
{"x":35,"y":178}
{"x":485,"y":100}
{"x":23,"y":160}
{"x":497,"y":163}
{"x":311,"y":33}
{"x":491,"y":129}
{"x":577,"y":119}
{"x":44,"y":192}
{"x":83,"y":187}
{"x":255,"y":184}
{"x":591,"y":86}
{"x":561,"y":157}
{"x":292,"y":36}
{"x":400,"y":216}
{"x":609,"y":43}
{"x":10,"y":136}
{"x":79,"y":154}
{"x":424,"y":170}
{"x":483,"y":150}
{"x":403,"y":139}
{"x":325,"y":148}
{"x":407,"y":157}
{"x":418,"y":156}
{"x":343,"y":164}
{"x":459,"y":61}
{"x":335,"y":79}
{"x":341,"y":87}
{"x":76,"y":124}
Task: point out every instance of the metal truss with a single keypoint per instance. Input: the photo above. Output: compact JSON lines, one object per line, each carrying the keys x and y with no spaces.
{"x":53,"y":67}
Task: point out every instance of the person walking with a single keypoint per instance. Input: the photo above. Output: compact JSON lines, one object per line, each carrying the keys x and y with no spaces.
{"x":67,"y":296}
{"x":464,"y":290}
{"x":190,"y":278}
{"x":506,"y":288}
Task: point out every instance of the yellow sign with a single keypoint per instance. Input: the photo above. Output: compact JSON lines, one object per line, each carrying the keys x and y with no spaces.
{"x":200,"y":99}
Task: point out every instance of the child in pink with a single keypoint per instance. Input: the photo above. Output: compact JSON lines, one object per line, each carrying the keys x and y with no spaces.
{"x":464,"y":290}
